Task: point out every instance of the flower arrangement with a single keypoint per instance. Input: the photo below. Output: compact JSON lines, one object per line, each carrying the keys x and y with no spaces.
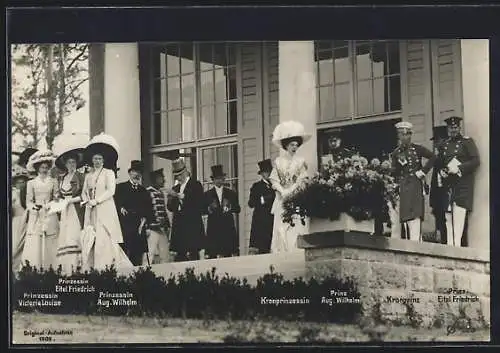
{"x":350,"y":185}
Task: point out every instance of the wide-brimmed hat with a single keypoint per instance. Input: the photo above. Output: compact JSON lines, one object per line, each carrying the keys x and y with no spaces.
{"x":19,"y":172}
{"x":25,"y":155}
{"x":40,"y":157}
{"x":104,"y":145}
{"x":178,"y":166}
{"x":217,"y":171}
{"x":265,"y":166}
{"x":439,"y":132}
{"x":287,"y":130}
{"x":136,"y":165}
{"x":69,"y":150}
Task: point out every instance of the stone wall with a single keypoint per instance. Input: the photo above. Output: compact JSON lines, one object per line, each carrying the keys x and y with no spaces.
{"x":390,"y":271}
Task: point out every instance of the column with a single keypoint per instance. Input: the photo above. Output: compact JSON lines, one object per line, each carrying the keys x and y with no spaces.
{"x":297,"y":92}
{"x":475,"y":84}
{"x":122,"y":102}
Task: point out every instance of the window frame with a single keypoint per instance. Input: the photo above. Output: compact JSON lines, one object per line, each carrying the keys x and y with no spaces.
{"x":353,"y":117}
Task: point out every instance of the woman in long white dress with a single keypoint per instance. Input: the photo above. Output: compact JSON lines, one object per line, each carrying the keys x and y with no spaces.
{"x":40,"y":247}
{"x":102,"y":233}
{"x":69,"y":248}
{"x":289,"y":172}
{"x":19,"y":214}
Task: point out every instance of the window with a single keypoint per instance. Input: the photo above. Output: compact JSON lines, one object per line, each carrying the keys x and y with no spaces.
{"x":357,"y":78}
{"x":194,"y":92}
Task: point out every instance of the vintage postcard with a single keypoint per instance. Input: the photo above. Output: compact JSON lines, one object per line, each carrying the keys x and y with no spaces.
{"x":304,"y":192}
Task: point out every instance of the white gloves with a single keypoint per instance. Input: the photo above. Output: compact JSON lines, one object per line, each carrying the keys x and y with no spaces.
{"x":420,"y":174}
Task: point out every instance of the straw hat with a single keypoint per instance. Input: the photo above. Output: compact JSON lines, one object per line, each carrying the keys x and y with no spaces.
{"x":40,"y":157}
{"x":289,"y":129}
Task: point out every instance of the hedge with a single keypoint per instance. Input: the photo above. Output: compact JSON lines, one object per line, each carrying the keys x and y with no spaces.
{"x":187,"y":295}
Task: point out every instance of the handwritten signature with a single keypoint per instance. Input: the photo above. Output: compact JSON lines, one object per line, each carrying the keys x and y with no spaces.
{"x":462,"y":324}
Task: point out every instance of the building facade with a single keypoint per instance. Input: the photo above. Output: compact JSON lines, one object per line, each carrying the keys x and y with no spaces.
{"x":218,"y":103}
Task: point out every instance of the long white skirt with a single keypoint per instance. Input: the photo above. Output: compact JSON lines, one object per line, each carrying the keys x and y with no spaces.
{"x":284,"y":234}
{"x":18,"y":236}
{"x":69,"y":248}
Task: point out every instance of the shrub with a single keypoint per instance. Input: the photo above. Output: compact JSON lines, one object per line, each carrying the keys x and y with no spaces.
{"x":187,"y":295}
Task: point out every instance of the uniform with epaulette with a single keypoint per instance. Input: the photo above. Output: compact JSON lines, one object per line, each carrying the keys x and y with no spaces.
{"x":337,"y":152}
{"x":458,"y":159}
{"x":408,"y":170}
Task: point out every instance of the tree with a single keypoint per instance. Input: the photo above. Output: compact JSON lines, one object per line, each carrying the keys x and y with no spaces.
{"x":56,"y":73}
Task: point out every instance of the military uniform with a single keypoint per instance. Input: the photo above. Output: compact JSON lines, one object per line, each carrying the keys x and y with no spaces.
{"x":437,"y":194}
{"x":458,"y":159}
{"x":407,"y":167}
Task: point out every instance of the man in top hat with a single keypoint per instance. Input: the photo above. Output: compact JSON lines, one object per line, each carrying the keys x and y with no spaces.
{"x":408,"y":170}
{"x":437,"y":195}
{"x":185,"y":201}
{"x":335,"y":148}
{"x":160,"y":225}
{"x":458,"y":159}
{"x":220,"y":204}
{"x":135,"y":210}
{"x":261,"y":200}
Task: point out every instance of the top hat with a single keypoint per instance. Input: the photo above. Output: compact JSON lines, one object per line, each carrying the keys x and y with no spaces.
{"x":453,"y":121}
{"x":25,"y":155}
{"x":265,"y":166}
{"x":439,"y":132}
{"x":178,"y":166}
{"x":333,"y":132}
{"x":404,"y":125}
{"x":217,"y":171}
{"x":136,"y":165}
{"x":156,"y":173}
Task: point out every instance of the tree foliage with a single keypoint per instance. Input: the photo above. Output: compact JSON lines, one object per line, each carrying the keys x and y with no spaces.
{"x":51,"y":90}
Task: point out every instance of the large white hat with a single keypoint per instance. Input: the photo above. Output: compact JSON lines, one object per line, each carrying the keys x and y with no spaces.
{"x":102,"y":144}
{"x":40,"y":157}
{"x":72,"y":148}
{"x":289,"y":129}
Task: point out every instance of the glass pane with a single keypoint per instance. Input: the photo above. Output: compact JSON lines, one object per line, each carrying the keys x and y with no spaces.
{"x":172,"y":61}
{"x":394,"y":66}
{"x":174,"y":126}
{"x":207,"y":87}
{"x":174,"y":97}
{"x":380,"y":95}
{"x":206,"y":57}
{"x":220,"y":85}
{"x":325,"y":68}
{"x":365,"y":97}
{"x":163,"y":127}
{"x":156,"y":128}
{"x":231,"y":53}
{"x":394,"y":87}
{"x":231,"y":76}
{"x":188,"y":91}
{"x":221,"y":119}
{"x":379,"y":59}
{"x":209,"y":159}
{"x":233,"y":117}
{"x":363,"y":62}
{"x":343,"y":70}
{"x":326,"y":103}
{"x":340,"y":43}
{"x":187,"y":62}
{"x":220,"y":55}
{"x":207,"y":121}
{"x":342,"y":100}
{"x":323,"y":45}
{"x":188,"y":121}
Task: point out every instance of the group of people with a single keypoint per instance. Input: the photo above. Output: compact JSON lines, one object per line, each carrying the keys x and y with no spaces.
{"x":84,"y":219}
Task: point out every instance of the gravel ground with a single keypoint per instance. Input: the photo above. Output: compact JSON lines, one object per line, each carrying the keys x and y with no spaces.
{"x":103,"y":329}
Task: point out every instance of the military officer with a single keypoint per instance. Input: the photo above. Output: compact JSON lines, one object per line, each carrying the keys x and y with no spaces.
{"x":437,"y":195}
{"x":458,"y":159}
{"x":336,"y":151}
{"x":408,"y":170}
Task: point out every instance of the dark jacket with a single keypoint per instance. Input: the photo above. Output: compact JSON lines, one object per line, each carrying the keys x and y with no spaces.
{"x":262,"y":220}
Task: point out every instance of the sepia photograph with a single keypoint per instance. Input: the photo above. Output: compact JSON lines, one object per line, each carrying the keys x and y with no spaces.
{"x":241,"y":192}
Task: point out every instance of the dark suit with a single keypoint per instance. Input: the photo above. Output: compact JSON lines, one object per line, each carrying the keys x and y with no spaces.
{"x":137,"y":202}
{"x":262,"y":220}
{"x":187,"y":235}
{"x":222,"y":238}
{"x":437,"y":201}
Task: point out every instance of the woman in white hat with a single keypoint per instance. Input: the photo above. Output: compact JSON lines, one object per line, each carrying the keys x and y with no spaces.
{"x":102,"y":234}
{"x":289,"y":172}
{"x":41,"y":236}
{"x":20,"y":177}
{"x":70,"y":183}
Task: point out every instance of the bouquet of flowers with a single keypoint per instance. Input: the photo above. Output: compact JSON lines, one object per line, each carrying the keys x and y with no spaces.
{"x":350,"y":185}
